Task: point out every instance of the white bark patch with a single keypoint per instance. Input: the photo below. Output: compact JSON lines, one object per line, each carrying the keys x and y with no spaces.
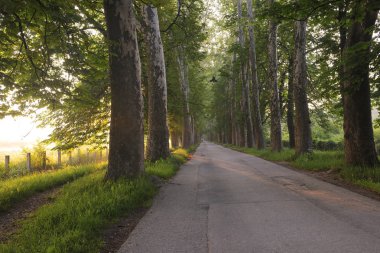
{"x":156,"y":51}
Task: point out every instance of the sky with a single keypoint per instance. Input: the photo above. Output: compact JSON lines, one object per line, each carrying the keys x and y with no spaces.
{"x":20,"y":132}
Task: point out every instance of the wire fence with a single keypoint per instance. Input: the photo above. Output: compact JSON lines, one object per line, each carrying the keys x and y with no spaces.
{"x":22,"y":163}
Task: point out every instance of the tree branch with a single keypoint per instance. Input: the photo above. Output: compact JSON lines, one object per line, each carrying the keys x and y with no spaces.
{"x":176,"y":18}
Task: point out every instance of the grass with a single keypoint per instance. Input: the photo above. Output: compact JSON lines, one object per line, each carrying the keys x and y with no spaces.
{"x":368,"y":178}
{"x":285,"y":155}
{"x":75,"y":220}
{"x":15,"y":189}
{"x":320,"y":161}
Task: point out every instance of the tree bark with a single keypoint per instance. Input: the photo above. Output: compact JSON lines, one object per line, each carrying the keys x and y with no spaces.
{"x":303,"y":141}
{"x":126,"y":154}
{"x":184,"y":80}
{"x":342,"y":15}
{"x":158,"y":133}
{"x":290,"y":105}
{"x":359,"y":146}
{"x":275,"y":126}
{"x":246,"y":107}
{"x":256,"y":115}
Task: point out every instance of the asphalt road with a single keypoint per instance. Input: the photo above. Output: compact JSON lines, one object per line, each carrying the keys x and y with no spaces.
{"x":226,"y":201}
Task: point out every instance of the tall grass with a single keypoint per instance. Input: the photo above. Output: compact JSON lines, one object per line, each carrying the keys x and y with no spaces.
{"x":16,"y":189}
{"x":320,"y":161}
{"x":75,"y":220}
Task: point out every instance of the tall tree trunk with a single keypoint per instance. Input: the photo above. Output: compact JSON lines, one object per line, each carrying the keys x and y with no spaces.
{"x":303,"y":142}
{"x":245,"y":87}
{"x":184,"y":80}
{"x":359,"y":146}
{"x":158,"y":133}
{"x":234,"y":105}
{"x":256,"y":115}
{"x":290,"y":104}
{"x":126,"y":155}
{"x":275,"y":126}
{"x":174,"y":138}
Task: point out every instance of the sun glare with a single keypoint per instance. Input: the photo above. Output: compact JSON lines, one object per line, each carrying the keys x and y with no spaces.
{"x":20,"y":132}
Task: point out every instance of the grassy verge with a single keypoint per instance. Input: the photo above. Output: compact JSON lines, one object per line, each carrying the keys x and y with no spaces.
{"x":16,"y":189}
{"x":74,"y":222}
{"x":368,"y":178}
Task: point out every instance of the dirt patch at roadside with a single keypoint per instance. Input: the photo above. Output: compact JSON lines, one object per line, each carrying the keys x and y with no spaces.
{"x":333,"y":177}
{"x":116,"y":234}
{"x":10,"y":219}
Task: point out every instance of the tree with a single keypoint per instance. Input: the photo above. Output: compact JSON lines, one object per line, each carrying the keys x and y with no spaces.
{"x":290,"y":104}
{"x":275,"y":133}
{"x":158,"y":133}
{"x":187,"y":133}
{"x":359,"y":147}
{"x":126,"y":154}
{"x":256,"y":119}
{"x":303,"y":142}
{"x":246,"y":107}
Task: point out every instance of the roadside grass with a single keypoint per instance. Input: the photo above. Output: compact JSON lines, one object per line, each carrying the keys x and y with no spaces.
{"x":15,"y":189}
{"x":285,"y":155}
{"x":320,"y":161}
{"x":75,"y":220}
{"x":368,"y":178}
{"x":365,"y":177}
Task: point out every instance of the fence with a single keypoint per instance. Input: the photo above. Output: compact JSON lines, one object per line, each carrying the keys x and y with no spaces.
{"x":24,"y":163}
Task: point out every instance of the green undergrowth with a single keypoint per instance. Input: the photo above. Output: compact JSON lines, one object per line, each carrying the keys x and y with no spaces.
{"x":75,"y":220}
{"x":365,"y":177}
{"x":320,"y":161}
{"x":15,"y":189}
{"x":368,"y":178}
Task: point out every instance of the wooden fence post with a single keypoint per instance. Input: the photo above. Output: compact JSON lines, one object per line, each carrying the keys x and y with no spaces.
{"x":101,"y":155}
{"x":78,"y":151}
{"x":7,"y":160}
{"x":29,"y":162}
{"x":59,"y":158}
{"x":70,"y":158}
{"x":44,"y":160}
{"x":88,"y":156}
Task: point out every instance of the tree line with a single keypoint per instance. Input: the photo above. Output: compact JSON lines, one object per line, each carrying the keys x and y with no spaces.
{"x":287,"y":56}
{"x":87,"y":68}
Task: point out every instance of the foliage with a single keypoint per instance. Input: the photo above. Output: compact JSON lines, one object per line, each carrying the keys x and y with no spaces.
{"x":60,"y":63}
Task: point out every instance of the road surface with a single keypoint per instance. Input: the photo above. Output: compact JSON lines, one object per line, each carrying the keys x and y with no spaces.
{"x":226,"y":201}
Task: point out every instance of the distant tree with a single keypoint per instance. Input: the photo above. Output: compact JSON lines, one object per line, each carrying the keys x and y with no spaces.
{"x":187,"y":132}
{"x":256,"y":118}
{"x":303,"y":141}
{"x":275,"y":125}
{"x":246,"y":105}
{"x":290,"y":104}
